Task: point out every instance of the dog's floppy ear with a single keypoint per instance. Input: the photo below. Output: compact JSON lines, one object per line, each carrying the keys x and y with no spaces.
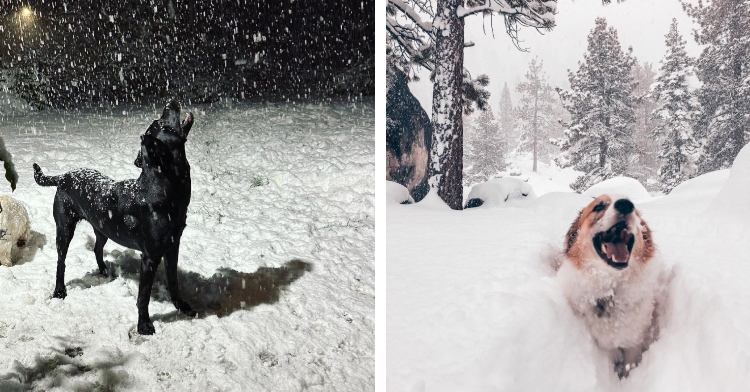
{"x":648,"y":241}
{"x":572,"y":235}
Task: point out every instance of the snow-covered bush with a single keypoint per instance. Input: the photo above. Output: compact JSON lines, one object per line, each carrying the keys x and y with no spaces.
{"x":397,"y":193}
{"x":500,"y":192}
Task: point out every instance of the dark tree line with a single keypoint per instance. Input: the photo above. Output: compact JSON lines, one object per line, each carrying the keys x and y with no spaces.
{"x":79,"y":53}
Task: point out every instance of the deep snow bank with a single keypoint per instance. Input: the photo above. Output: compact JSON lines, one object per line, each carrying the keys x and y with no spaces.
{"x":474,"y":304}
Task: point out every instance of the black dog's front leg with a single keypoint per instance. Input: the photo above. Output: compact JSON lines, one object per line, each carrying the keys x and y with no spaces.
{"x":148,"y":271}
{"x":172,"y":284}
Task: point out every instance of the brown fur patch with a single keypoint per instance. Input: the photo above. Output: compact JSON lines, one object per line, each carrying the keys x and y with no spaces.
{"x":579,"y":229}
{"x":647,"y":252}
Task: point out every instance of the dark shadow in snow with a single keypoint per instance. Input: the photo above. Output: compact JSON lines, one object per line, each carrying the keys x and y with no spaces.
{"x":27,"y":252}
{"x":60,"y":369}
{"x":221,"y":294}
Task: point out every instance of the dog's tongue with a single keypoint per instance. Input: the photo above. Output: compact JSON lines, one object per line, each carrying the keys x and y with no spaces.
{"x":616,"y":252}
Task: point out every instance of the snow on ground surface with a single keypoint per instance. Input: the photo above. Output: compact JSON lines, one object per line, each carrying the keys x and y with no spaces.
{"x":278,"y":255}
{"x":474,"y":304}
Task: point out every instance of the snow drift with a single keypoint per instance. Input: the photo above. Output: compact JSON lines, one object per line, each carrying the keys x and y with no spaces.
{"x":474,"y":303}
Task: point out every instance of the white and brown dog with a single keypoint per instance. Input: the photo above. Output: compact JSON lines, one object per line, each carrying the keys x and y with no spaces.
{"x":14,"y":230}
{"x":610,"y":277}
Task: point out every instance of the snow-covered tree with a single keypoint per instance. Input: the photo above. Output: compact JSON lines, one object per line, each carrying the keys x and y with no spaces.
{"x":598,"y":140}
{"x":485,"y":155}
{"x":447,"y":32}
{"x":646,"y":162}
{"x":536,"y":113}
{"x":507,"y":119}
{"x":724,"y":69}
{"x":676,"y":111}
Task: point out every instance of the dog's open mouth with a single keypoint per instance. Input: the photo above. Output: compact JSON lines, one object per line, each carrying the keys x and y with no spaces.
{"x":614,"y":245}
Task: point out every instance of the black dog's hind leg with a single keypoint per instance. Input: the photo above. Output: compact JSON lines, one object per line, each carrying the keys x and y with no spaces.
{"x":174,"y":289}
{"x":148,"y":271}
{"x":66,"y":221}
{"x":101,"y":239}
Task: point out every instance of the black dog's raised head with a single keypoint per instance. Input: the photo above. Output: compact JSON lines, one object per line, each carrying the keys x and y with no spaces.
{"x":170,"y":130}
{"x":154,"y":152}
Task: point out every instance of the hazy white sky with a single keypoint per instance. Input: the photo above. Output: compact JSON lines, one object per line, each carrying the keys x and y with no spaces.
{"x":641,"y":24}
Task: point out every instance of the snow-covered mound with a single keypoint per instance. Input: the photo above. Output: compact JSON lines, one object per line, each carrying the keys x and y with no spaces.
{"x":278,"y":255}
{"x":501,"y":192}
{"x":624,"y":186}
{"x":397,"y":193}
{"x":691,"y":196}
{"x":734,"y":198}
{"x":473,"y":304}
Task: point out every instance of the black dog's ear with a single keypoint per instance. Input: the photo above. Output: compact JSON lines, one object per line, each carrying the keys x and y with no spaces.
{"x":170,"y":117}
{"x":187,"y":123}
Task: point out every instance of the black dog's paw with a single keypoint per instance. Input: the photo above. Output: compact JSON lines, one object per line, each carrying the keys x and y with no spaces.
{"x":60,"y":293}
{"x":146,"y":327}
{"x":104,"y":273}
{"x":183,"y":307}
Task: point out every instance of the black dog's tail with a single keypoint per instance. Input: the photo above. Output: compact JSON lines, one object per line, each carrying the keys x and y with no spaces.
{"x":42,"y":179}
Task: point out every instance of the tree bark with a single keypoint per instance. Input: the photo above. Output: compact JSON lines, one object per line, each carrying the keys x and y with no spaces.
{"x":447,"y":106}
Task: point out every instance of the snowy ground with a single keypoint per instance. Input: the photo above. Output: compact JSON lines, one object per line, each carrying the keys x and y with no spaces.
{"x":474,"y":304}
{"x":278,"y":256}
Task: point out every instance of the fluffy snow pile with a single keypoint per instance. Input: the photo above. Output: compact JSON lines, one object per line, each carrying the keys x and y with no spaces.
{"x":624,"y":186}
{"x":474,"y":303}
{"x":278,"y":256}
{"x":397,"y":193}
{"x":499,"y":192}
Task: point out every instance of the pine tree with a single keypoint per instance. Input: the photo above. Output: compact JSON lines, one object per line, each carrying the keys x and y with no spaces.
{"x":485,"y":156}
{"x":676,"y":110}
{"x":724,"y":69}
{"x":507,"y":119}
{"x":646,"y":161}
{"x":536,"y":113}
{"x":598,"y":141}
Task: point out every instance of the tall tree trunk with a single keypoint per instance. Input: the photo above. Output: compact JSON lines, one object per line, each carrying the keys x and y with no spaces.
{"x":447,"y":105}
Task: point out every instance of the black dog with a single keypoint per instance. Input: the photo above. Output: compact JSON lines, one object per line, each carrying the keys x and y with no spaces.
{"x":174,"y":134}
{"x":147,"y":214}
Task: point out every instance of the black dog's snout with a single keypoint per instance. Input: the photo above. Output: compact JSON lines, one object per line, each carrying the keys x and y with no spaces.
{"x":624,"y":206}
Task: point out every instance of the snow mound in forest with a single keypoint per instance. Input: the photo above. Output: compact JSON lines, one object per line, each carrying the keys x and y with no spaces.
{"x":625,"y":186}
{"x":692,"y":196}
{"x":501,"y":192}
{"x":397,"y":193}
{"x":734,"y":197}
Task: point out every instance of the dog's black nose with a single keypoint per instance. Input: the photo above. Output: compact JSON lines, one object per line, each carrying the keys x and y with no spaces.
{"x":624,"y":206}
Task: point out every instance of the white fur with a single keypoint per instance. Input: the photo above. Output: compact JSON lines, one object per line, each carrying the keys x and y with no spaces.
{"x":14,"y":225}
